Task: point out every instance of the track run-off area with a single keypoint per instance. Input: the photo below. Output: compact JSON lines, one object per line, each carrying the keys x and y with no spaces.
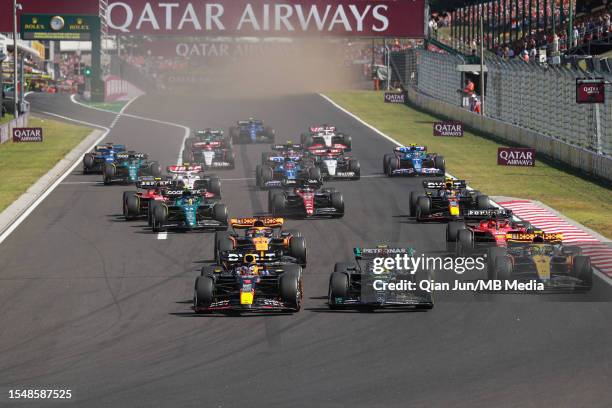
{"x":101,"y":306}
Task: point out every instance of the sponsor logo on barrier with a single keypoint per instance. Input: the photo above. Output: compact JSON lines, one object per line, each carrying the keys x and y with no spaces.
{"x":395,"y":97}
{"x":448,"y":129}
{"x":515,"y":156}
{"x":27,"y":135}
{"x":590,"y":90}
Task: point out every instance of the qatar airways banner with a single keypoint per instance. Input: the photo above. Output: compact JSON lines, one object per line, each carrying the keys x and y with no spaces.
{"x":360,"y":18}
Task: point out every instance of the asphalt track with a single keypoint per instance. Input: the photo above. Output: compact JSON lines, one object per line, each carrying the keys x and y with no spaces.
{"x":92,"y":303}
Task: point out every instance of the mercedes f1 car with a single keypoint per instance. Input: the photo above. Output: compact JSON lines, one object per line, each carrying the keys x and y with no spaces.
{"x":244,"y":283}
{"x":543,"y":257}
{"x":284,"y":171}
{"x":188,"y":210}
{"x":323,"y":136}
{"x":129,"y":167}
{"x":251,"y":131}
{"x":335,"y":165}
{"x":360,"y":285}
{"x":94,"y":162}
{"x":447,"y":200}
{"x":413,"y":160}
{"x":261,"y":234}
{"x":307,"y":199}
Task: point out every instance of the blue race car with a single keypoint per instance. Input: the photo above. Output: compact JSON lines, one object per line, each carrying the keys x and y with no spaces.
{"x":413,"y":160}
{"x":188,"y":210}
{"x":251,"y":131}
{"x":93,"y":162}
{"x":129,"y":167}
{"x":282,"y":171}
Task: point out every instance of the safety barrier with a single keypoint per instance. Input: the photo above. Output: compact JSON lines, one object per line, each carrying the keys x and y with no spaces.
{"x":5,"y":128}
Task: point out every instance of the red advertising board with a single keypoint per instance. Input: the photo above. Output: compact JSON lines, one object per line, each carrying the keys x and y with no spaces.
{"x":590,"y":90}
{"x":515,"y":156}
{"x":448,"y":129}
{"x":360,"y":18}
{"x":27,"y":134}
{"x":395,"y":97}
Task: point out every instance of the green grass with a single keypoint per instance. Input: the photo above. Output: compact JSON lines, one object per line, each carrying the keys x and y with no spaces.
{"x":474,"y":158}
{"x":22,"y":164}
{"x":7,"y":117}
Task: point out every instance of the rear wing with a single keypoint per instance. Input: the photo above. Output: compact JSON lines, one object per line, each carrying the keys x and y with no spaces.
{"x":153,"y":183}
{"x":412,"y":148}
{"x":303,"y":183}
{"x":212,"y":143}
{"x":110,"y":146}
{"x":323,"y":152}
{"x":237,"y":257}
{"x":537,"y":236}
{"x":270,"y":222}
{"x":493,"y":212}
{"x":184,"y":169}
{"x":286,"y":146}
{"x":371,"y":253}
{"x":437,"y":185}
{"x":179,"y":193}
{"x":322,"y":128}
{"x":131,"y":156}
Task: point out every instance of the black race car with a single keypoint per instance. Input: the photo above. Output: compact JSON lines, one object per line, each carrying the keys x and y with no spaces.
{"x":129,"y":167}
{"x":307,"y":199}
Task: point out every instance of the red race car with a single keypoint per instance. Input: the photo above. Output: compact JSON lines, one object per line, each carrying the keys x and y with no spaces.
{"x":136,"y":203}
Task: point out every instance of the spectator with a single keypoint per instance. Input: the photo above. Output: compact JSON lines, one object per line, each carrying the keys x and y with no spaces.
{"x":469,"y":88}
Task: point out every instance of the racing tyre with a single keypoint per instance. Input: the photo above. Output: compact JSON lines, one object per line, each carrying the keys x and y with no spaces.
{"x":414,"y":196}
{"x":503,"y":268}
{"x":271,"y":194}
{"x":155,"y":169}
{"x":204,"y":290}
{"x":267,"y":174}
{"x":160,"y":215}
{"x":220,"y":236}
{"x":337,"y":201}
{"x":132,"y":206}
{"x":465,"y":241}
{"x":355,"y":167}
{"x":270,"y":134}
{"x":393,"y":165}
{"x":297,"y":249}
{"x":423,"y":207}
{"x":150,"y":211}
{"x":483,"y":202}
{"x":338,"y":289}
{"x":265,"y":156}
{"x":231,"y":160}
{"x":88,"y":162}
{"x":452,"y":229}
{"x":279,"y":203}
{"x":214,"y":186}
{"x":307,"y":141}
{"x":109,"y":172}
{"x":348,"y":142}
{"x":386,"y":158}
{"x":208,"y":270}
{"x":290,"y":287}
{"x":439,"y":163}
{"x":492,"y":255}
{"x":582,"y":270}
{"x":220,"y":214}
{"x":222,"y":246}
{"x":189,"y":142}
{"x":314,"y":173}
{"x":572,"y":250}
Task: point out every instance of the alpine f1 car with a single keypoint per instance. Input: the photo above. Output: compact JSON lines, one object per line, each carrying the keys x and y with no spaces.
{"x":335,"y":165}
{"x":285,"y":172}
{"x":326,"y":136}
{"x":261,"y":234}
{"x":188,"y":210}
{"x":280,"y":152}
{"x":361,"y":285}
{"x":251,"y":131}
{"x":542,"y":257}
{"x":93,"y":162}
{"x":447,"y":200}
{"x":307,"y":199}
{"x":209,"y":148}
{"x":128,"y":167}
{"x":413,"y":160}
{"x":136,"y":203}
{"x":192,"y":177}
{"x":244,"y":283}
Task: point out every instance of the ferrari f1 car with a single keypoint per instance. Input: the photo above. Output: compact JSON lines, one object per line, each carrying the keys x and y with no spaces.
{"x":136,"y":203}
{"x":93,"y":162}
{"x":285,"y":172}
{"x":261,"y":234}
{"x":209,"y":148}
{"x":323,"y":136}
{"x":335,"y":165}
{"x":244,"y":283}
{"x":413,"y":160}
{"x":188,"y":210}
{"x":542,"y":257}
{"x":447,"y":200}
{"x":128,"y":167}
{"x":361,"y":285}
{"x":307,"y":199}
{"x":251,"y":131}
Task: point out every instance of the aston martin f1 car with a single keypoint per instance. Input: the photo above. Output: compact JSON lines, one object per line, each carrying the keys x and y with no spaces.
{"x":287,"y":172}
{"x":307,"y":199}
{"x":543,"y":257}
{"x":244,"y":283}
{"x":128,"y":167}
{"x":188,"y":210}
{"x":413,"y":160}
{"x":209,"y":148}
{"x":261,"y":234}
{"x":361,"y":285}
{"x":335,"y":165}
{"x":447,"y":200}
{"x":323,"y":136}
{"x":93,"y":162}
{"x":251,"y":131}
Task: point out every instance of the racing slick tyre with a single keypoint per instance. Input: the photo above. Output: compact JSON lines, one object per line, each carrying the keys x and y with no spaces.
{"x":220,"y":236}
{"x":483,"y":202}
{"x":265,"y":156}
{"x":297,"y":249}
{"x":465,"y":242}
{"x":337,"y":201}
{"x":314,"y":173}
{"x":290,"y":287}
{"x":392,"y":166}
{"x":131,"y":207}
{"x":258,"y":175}
{"x":572,"y":250}
{"x":338,"y":288}
{"x":214,"y":186}
{"x":452,"y":229}
{"x":222,"y":246}
{"x":203,"y":294}
{"x":423,"y":207}
{"x":271,"y":194}
{"x":160,"y":215}
{"x":355,"y":166}
{"x":231,"y":160}
{"x":88,"y":162}
{"x":414,"y":196}
{"x":386,"y":158}
{"x":492,"y":254}
{"x":208,"y":270}
{"x":234,"y":135}
{"x":581,"y":269}
{"x":189,"y":142}
{"x":307,"y":140}
{"x":109,"y":172}
{"x":279,"y":204}
{"x":267,"y":174}
{"x":348,"y":142}
{"x":155,"y":169}
{"x":503,"y":268}
{"x":439,"y":163}
{"x":270,"y":134}
{"x":220,"y":214}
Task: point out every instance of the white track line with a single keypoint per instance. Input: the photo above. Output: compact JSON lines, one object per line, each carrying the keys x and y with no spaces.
{"x":600,"y":274}
{"x":162,"y":235}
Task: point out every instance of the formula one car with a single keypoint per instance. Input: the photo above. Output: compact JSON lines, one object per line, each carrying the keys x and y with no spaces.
{"x":360,"y":285}
{"x":447,"y":200}
{"x":413,"y":160}
{"x":285,"y":173}
{"x":251,"y":131}
{"x":335,"y":165}
{"x":323,"y":136}
{"x":243,"y":283}
{"x":209,"y":148}
{"x":128,"y":167}
{"x":188,"y":210}
{"x":261,"y":234}
{"x":280,"y":152}
{"x":307,"y":199}
{"x":192,"y":177}
{"x":136,"y":203}
{"x":93,"y":162}
{"x":542,"y":257}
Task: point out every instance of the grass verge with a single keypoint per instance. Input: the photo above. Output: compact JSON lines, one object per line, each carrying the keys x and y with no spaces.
{"x":474,"y":158}
{"x":22,"y":164}
{"x":111,"y":106}
{"x":7,"y":117}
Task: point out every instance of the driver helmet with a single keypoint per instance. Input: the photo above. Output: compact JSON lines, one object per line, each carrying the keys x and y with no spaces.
{"x":258,"y":232}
